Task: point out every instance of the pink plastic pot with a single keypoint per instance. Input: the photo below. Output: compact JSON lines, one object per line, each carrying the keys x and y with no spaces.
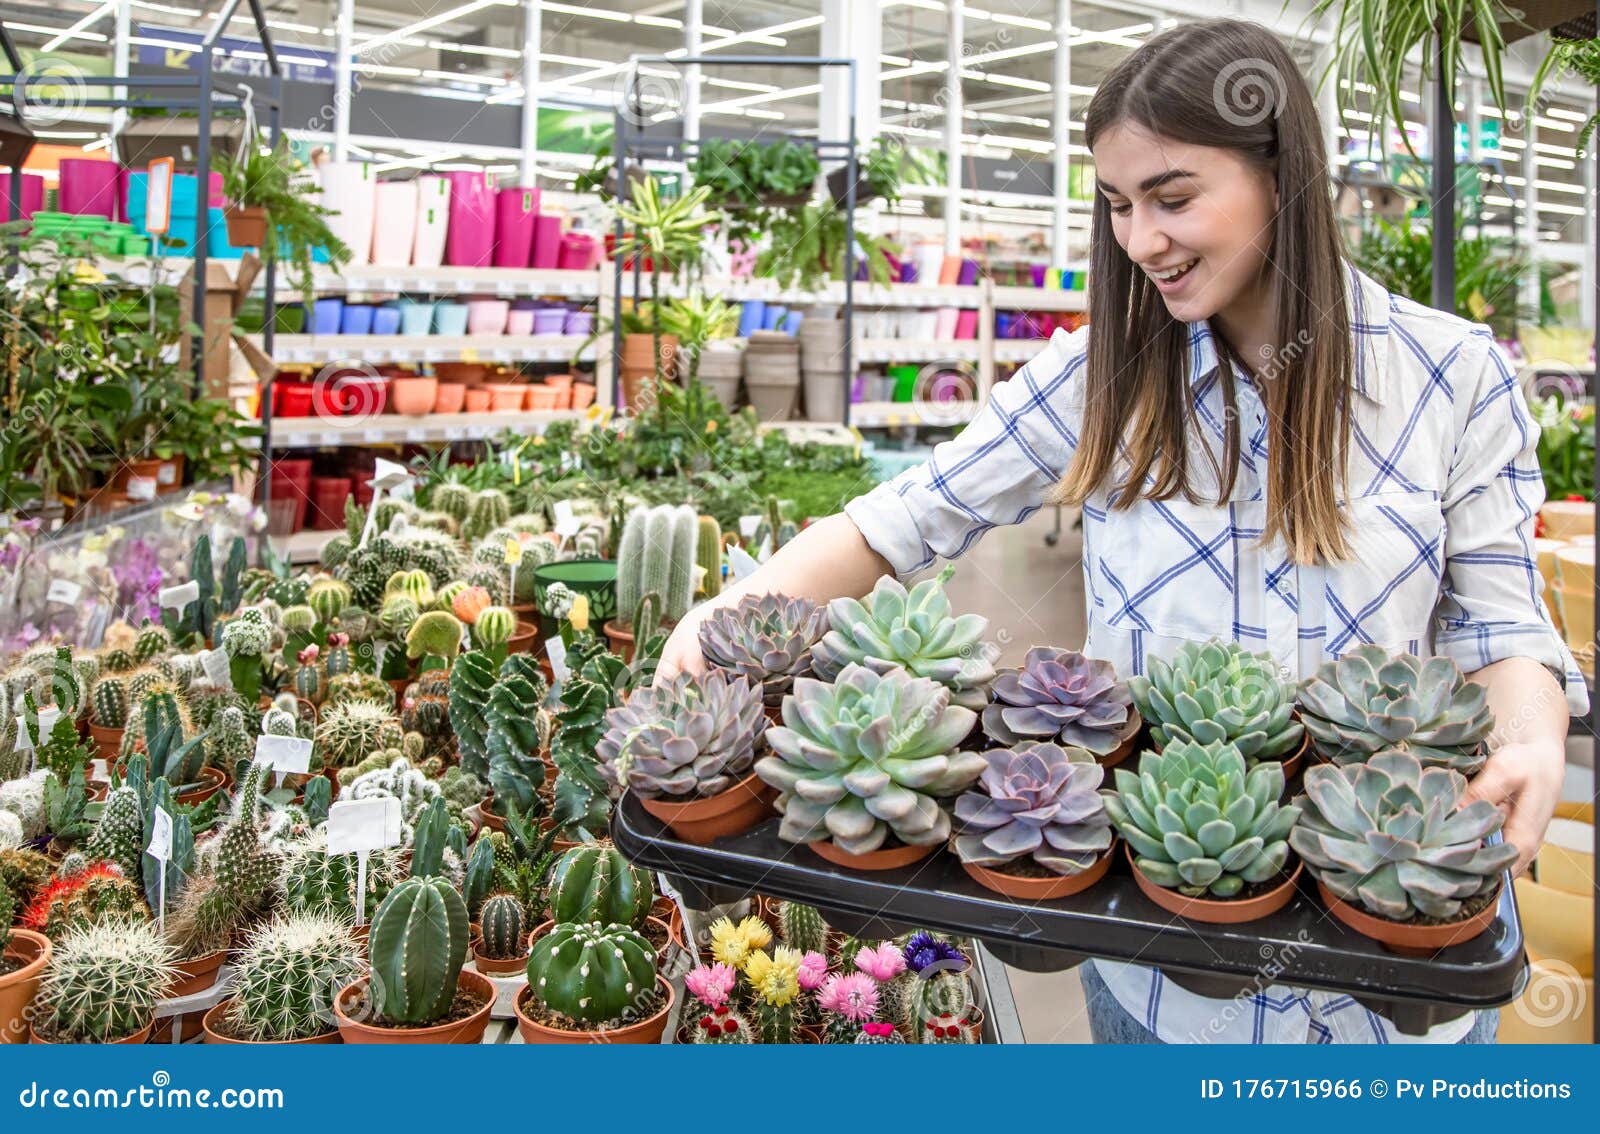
{"x":88,"y":188}
{"x":520,"y":321}
{"x":577,"y":252}
{"x":487,"y":316}
{"x":515,"y":213}
{"x":328,"y":494}
{"x":32,"y":195}
{"x":546,"y":242}
{"x":470,"y":243}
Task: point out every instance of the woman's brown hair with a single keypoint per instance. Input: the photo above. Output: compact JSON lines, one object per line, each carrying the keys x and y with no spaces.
{"x":1227,"y":84}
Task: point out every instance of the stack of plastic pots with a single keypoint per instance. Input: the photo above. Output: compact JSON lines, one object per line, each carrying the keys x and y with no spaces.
{"x":394,"y":222}
{"x":772,"y":374}
{"x":470,"y":241}
{"x":32,"y":195}
{"x":88,"y":187}
{"x":432,"y":221}
{"x":516,"y":216}
{"x":289,"y":494}
{"x":349,"y":191}
{"x":822,"y":365}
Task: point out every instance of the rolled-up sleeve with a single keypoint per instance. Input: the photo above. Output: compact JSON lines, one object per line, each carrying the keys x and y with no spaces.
{"x":1491,"y":606}
{"x":996,"y":471}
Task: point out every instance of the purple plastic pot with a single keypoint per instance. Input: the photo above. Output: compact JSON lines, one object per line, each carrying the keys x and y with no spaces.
{"x":515,"y":213}
{"x":32,"y":195}
{"x":326,"y":316}
{"x":969,"y":273}
{"x":88,"y":188}
{"x":579,"y":322}
{"x":549,"y":320}
{"x":546,"y":242}
{"x":1037,"y":271}
{"x":470,"y":242}
{"x":356,"y":319}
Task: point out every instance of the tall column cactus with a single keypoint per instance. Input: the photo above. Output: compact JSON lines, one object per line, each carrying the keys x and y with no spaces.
{"x":418,"y":944}
{"x":708,"y":555}
{"x":657,"y":555}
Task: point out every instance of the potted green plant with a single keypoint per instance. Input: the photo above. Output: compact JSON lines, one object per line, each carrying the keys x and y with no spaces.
{"x":1064,"y":697}
{"x":767,"y":639}
{"x":1489,"y":269}
{"x":102,"y":984}
{"x":268,"y":194}
{"x":593,"y":983}
{"x":882,"y":169}
{"x":24,"y":954}
{"x":285,"y":977}
{"x":806,"y":247}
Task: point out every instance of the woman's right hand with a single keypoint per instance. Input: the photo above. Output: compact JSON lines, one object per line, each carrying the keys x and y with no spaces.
{"x":682,"y":654}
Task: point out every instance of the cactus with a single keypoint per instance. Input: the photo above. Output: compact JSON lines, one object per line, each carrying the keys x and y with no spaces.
{"x":708,"y":555}
{"x":656,"y":556}
{"x":428,"y":840}
{"x":722,"y":1025}
{"x":801,"y":927}
{"x":930,"y":996}
{"x":235,"y":879}
{"x":874,"y":1032}
{"x":595,"y":883}
{"x":152,"y":642}
{"x":428,"y":715}
{"x":415,"y":584}
{"x":489,"y":509}
{"x":593,"y":974}
{"x":118,"y":836}
{"x":479,"y":877}
{"x":174,"y":755}
{"x":318,"y":883}
{"x":346,"y":687}
{"x":336,"y":659}
{"x":436,"y":634}
{"x":233,"y":570}
{"x":328,"y":598}
{"x":311,"y":681}
{"x":103,"y":982}
{"x":513,"y":742}
{"x":92,"y":895}
{"x":502,"y":928}
{"x":23,"y":873}
{"x":118,"y":661}
{"x":352,"y":731}
{"x":299,"y":620}
{"x":948,"y":1029}
{"x":494,"y":627}
{"x":108,"y":702}
{"x":287,"y":975}
{"x":472,"y":679}
{"x":453,"y":499}
{"x":418,"y":944}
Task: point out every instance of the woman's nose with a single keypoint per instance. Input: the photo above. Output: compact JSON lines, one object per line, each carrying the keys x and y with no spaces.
{"x":1146,"y":240}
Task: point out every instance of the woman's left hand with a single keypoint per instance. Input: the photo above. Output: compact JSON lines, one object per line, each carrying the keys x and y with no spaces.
{"x":1524,"y":781}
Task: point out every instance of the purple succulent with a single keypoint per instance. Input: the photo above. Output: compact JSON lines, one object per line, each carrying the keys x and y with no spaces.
{"x":1039,"y":800}
{"x":924,"y":951}
{"x":1061,"y":696}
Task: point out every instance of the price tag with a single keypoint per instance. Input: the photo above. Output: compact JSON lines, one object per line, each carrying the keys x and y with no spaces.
{"x":501,"y":354}
{"x":372,"y":436}
{"x":390,"y":283}
{"x":468,"y":354}
{"x":167,"y":474}
{"x":388,"y":475}
{"x":556,"y":650}
{"x":400,"y":355}
{"x":563,"y":510}
{"x":284,"y":754}
{"x":748,"y":526}
{"x":215,"y":664}
{"x":99,"y":769}
{"x":741,"y":564}
{"x":327,"y":439}
{"x":160,"y":847}
{"x":64,"y":590}
{"x":456,"y":433}
{"x":180,"y":596}
{"x":358,"y":825}
{"x":466,"y":285}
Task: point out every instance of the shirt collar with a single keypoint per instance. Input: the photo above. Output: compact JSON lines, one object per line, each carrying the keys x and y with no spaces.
{"x":1367,"y":303}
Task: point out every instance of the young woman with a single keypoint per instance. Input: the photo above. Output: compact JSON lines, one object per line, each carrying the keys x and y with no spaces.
{"x":1267,"y":447}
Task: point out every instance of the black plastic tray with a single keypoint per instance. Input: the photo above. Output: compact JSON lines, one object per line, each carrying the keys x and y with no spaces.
{"x":1301,"y":945}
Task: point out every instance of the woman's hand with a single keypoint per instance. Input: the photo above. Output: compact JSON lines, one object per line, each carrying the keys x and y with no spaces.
{"x":682,"y":654}
{"x":1524,"y":781}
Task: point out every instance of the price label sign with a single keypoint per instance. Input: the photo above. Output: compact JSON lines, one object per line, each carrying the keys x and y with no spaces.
{"x":160,"y":847}
{"x":740,"y":563}
{"x":556,"y":650}
{"x":179,"y":596}
{"x":141,"y":488}
{"x":215,"y":665}
{"x":358,"y":825}
{"x":388,"y":475}
{"x":158,"y":197}
{"x":285,"y":755}
{"x":66,"y":591}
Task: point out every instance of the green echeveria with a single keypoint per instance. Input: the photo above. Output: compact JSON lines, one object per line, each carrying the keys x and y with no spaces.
{"x":1368,"y":702}
{"x":911,"y":630}
{"x":1198,"y":821}
{"x":867,"y":757}
{"x":1219,"y":692}
{"x":1392,"y":834}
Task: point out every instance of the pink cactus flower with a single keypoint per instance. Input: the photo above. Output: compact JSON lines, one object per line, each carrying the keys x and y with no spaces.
{"x":854,"y":996}
{"x":813,"y":971}
{"x":711,"y":984}
{"x":883,"y":963}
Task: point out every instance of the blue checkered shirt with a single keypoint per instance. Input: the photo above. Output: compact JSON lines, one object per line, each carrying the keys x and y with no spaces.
{"x":1443,"y":488}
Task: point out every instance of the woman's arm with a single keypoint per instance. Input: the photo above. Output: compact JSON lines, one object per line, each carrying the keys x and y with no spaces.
{"x":1527,"y":750}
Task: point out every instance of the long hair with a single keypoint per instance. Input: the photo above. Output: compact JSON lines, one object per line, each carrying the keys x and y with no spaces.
{"x":1227,"y":84}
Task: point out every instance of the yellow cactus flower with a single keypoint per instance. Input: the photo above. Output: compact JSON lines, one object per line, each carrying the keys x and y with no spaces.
{"x":775,"y":979}
{"x":579,"y":614}
{"x":757,"y":934}
{"x":728,"y":944}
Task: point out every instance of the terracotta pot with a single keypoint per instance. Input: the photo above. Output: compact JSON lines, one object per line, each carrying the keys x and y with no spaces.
{"x":1410,"y":940}
{"x":413,"y":397}
{"x":505,"y":397}
{"x":891,"y":859}
{"x":522,"y":641}
{"x":99,"y":790}
{"x":489,"y":966}
{"x":699,"y":821}
{"x":541,"y":397}
{"x":1292,"y":766}
{"x":1039,"y":889}
{"x":469,"y":1030}
{"x":477,"y":400}
{"x":147,"y":469}
{"x":620,"y":639}
{"x":247,"y":225}
{"x":1121,"y":752}
{"x":212,"y":780}
{"x":1215,"y":911}
{"x":219,"y":1010}
{"x":645,"y":1031}
{"x":138,"y":1037}
{"x":491,"y":821}
{"x":634,"y":384}
{"x":450,"y":398}
{"x":17,"y":989}
{"x":197,"y":975}
{"x":398,"y":684}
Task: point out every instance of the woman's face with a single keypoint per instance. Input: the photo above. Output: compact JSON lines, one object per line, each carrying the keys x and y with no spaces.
{"x":1199,"y":210}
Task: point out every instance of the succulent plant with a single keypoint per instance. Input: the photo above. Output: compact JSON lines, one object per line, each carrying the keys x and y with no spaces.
{"x":502,"y":927}
{"x":489,"y":508}
{"x":1061,"y":696}
{"x":329,"y":598}
{"x":23,"y":873}
{"x":119,"y":835}
{"x":234,"y":881}
{"x":595,"y":883}
{"x":801,"y":927}
{"x":358,"y":687}
{"x":229,"y":740}
{"x":316,"y":882}
{"x":689,"y":736}
{"x":103,"y":982}
{"x":656,"y":555}
{"x":247,"y":634}
{"x":398,"y":613}
{"x":351,"y":731}
{"x":913,"y":630}
{"x":299,"y":619}
{"x":1393,"y":835}
{"x":153,"y":641}
{"x":287,"y":974}
{"x":1037,"y":801}
{"x":867,"y":757}
{"x":766,"y":638}
{"x":452,"y":498}
{"x":721,"y":1024}
{"x":434,"y":634}
{"x":1199,"y":821}
{"x":594,"y":974}
{"x":418,"y":943}
{"x":1219,"y":692}
{"x":1368,"y":702}
{"x":877,"y":1032}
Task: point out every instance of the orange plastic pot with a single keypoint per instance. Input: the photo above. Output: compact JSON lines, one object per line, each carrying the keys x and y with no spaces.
{"x":699,"y":821}
{"x":1215,"y":911}
{"x":1040,"y":889}
{"x":469,"y":1030}
{"x":648,"y":1030}
{"x":218,"y":1011}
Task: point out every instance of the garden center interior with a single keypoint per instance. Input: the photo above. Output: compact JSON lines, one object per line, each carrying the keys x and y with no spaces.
{"x":385,"y":380}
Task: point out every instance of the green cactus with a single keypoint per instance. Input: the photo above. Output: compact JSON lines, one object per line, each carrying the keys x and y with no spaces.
{"x":436,"y":634}
{"x":514,"y":742}
{"x":932,"y":995}
{"x":287,"y":975}
{"x":108,"y":702}
{"x":595,"y":883}
{"x":708,"y":555}
{"x":948,"y":1029}
{"x":118,"y":661}
{"x":152,"y":642}
{"x":802,"y":927}
{"x":428,"y":842}
{"x":479,"y":877}
{"x":233,"y":571}
{"x":453,"y":499}
{"x":593,"y":974}
{"x":472,"y":679}
{"x":346,"y":687}
{"x":501,"y":928}
{"x":23,"y":873}
{"x":776,"y":1023}
{"x":316,"y":882}
{"x":299,"y":620}
{"x":428,"y":715}
{"x":351,"y":731}
{"x":656,"y":556}
{"x":328,"y":598}
{"x":117,"y":837}
{"x":418,"y":943}
{"x":103,"y":982}
{"x":228,"y":741}
{"x":489,"y":509}
{"x":494,"y":627}
{"x":311,"y":681}
{"x":174,"y":755}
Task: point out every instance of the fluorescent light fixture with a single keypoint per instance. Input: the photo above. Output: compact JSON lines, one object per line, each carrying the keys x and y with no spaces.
{"x":609,"y":14}
{"x":39,"y":29}
{"x":193,"y":13}
{"x":453,"y":76}
{"x":432,"y":22}
{"x":738,"y":85}
{"x":659,"y":22}
{"x":759,"y":112}
{"x":93,"y":17}
{"x":494,"y":52}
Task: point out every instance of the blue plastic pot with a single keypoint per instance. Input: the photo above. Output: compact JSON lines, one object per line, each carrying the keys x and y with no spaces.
{"x":415,"y":318}
{"x":450,"y":319}
{"x":750,"y":316}
{"x":386,"y":320}
{"x":357,"y":320}
{"x":326,"y":318}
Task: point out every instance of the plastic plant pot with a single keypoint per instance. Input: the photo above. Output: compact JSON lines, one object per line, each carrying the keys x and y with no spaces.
{"x":478,"y":399}
{"x":432,"y":221}
{"x":450,"y":398}
{"x":487,"y":316}
{"x":546,"y":250}
{"x":506,"y":397}
{"x":414,"y":397}
{"x":416,"y":317}
{"x":582,"y":395}
{"x":751,"y":316}
{"x":450,"y":319}
{"x":349,"y":192}
{"x":579,"y":323}
{"x":595,"y":579}
{"x":356,"y":319}
{"x":32,"y":194}
{"x":470,"y":240}
{"x":577,"y":252}
{"x":293,"y":399}
{"x":516,"y":212}
{"x":772,"y":318}
{"x":328,"y":494}
{"x":549,"y":320}
{"x":326,"y":317}
{"x":542,"y":397}
{"x":386,"y":320}
{"x":87,"y":187}
{"x":394,"y":222}
{"x":519,"y":321}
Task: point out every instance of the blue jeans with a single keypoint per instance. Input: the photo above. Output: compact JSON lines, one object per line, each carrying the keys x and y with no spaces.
{"x":1110,"y":1022}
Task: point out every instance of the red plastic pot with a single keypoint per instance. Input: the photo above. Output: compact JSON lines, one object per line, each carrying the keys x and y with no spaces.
{"x":328,"y":494}
{"x":329,"y":399}
{"x":292,"y":399}
{"x":291,"y":480}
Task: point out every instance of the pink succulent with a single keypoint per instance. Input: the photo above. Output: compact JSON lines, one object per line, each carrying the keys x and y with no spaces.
{"x":813,"y":971}
{"x":883,"y":963}
{"x":854,"y":996}
{"x":711,"y":984}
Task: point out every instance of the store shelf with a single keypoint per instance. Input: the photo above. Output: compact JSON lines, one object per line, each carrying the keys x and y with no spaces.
{"x":1018,"y":350}
{"x":503,"y":282}
{"x":425,"y":348}
{"x":917,"y":350}
{"x":1038,"y":299}
{"x":302,"y":547}
{"x":876,"y":415}
{"x":393,"y":429}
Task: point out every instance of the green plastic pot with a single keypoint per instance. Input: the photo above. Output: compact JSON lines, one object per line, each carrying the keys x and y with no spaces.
{"x":595,"y":579}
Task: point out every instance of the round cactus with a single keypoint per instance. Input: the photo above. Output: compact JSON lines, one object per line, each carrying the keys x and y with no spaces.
{"x":416,"y":585}
{"x":103,"y":982}
{"x":721,"y":1025}
{"x":152,"y":642}
{"x":489,"y":509}
{"x":316,"y":882}
{"x":328,"y":598}
{"x":469,"y":602}
{"x":494,"y":626}
{"x":299,"y":619}
{"x":434,"y":634}
{"x":595,"y":883}
{"x":502,"y":927}
{"x":453,"y":499}
{"x":287,"y":975}
{"x":355,"y":729}
{"x":311,"y":681}
{"x":593,"y":974}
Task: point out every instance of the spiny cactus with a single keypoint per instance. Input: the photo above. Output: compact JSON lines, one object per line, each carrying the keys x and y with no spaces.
{"x":721,"y":1025}
{"x":594,"y":974}
{"x":595,"y":883}
{"x":23,"y":873}
{"x":502,"y":928}
{"x":452,"y":498}
{"x":299,"y":619}
{"x":875,"y":1032}
{"x":801,"y":927}
{"x":708,"y":555}
{"x":175,"y":754}
{"x":316,"y":882}
{"x":109,"y":702}
{"x":118,"y":837}
{"x":346,"y":687}
{"x":489,"y":509}
{"x":103,"y":982}
{"x":656,"y":555}
{"x":152,"y":642}
{"x":418,"y":943}
{"x":96,"y":893}
{"x":328,"y":598}
{"x":351,"y":731}
{"x":494,"y":627}
{"x":948,"y":1029}
{"x":229,"y":741}
{"x":287,"y":975}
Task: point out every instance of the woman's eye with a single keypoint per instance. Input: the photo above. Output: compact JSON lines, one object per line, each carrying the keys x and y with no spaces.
{"x":1175,"y":206}
{"x":1121,"y":210}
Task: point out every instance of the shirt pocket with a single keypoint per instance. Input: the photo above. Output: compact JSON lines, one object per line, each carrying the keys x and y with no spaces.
{"x":1166,"y":567}
{"x":1386,"y":591}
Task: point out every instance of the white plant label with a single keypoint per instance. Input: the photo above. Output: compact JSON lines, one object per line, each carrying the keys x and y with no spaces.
{"x":167,"y":474}
{"x":99,"y":770}
{"x":563,"y":510}
{"x":160,"y":847}
{"x":389,"y":475}
{"x":556,"y":650}
{"x":47,"y":721}
{"x":359,"y":825}
{"x":740,"y":563}
{"x":748,"y":526}
{"x":284,"y":754}
{"x":179,"y":596}
{"x":64,"y":590}
{"x":215,"y":663}
{"x":142,"y":488}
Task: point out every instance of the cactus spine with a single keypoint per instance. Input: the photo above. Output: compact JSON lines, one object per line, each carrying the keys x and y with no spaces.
{"x":802,"y":927}
{"x":103,"y":982}
{"x":657,"y":555}
{"x":118,"y":838}
{"x":109,"y":702}
{"x":722,"y":1025}
{"x":502,"y":927}
{"x":418,"y":944}
{"x":287,"y":975}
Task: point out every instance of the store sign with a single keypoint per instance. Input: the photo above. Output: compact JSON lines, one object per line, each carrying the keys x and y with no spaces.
{"x":235,"y":55}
